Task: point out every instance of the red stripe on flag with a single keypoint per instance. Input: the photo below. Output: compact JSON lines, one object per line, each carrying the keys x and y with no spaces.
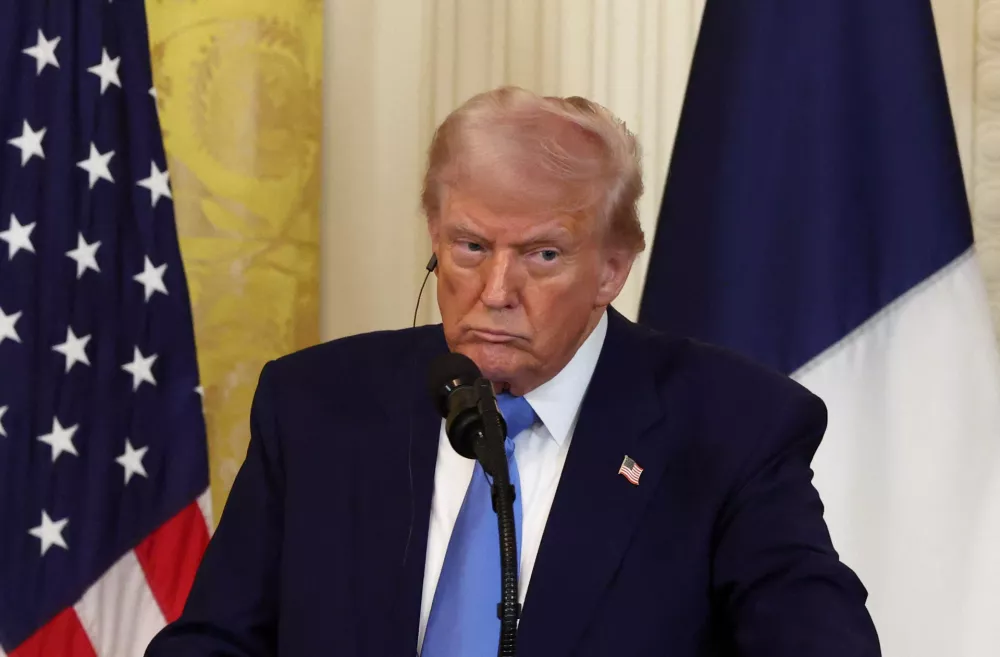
{"x":63,"y":636}
{"x":170,"y":556}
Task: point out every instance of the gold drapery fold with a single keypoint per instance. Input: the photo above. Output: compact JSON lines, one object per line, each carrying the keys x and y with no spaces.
{"x":239,"y":93}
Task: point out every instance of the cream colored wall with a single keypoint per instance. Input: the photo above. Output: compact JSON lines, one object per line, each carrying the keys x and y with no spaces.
{"x":969,"y":34}
{"x":984,"y":170}
{"x":395,"y":68}
{"x":956,"y":24}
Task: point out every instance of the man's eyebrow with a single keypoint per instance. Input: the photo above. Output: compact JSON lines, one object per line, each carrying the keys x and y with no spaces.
{"x":560,"y":234}
{"x":464,"y":229}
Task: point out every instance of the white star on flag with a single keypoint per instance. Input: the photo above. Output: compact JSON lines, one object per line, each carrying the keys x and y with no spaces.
{"x":74,"y":349}
{"x":141,"y":369}
{"x":131,"y":460}
{"x":156,"y":183}
{"x":152,"y":92}
{"x":7,"y":329}
{"x":107,"y":70}
{"x":29,"y":143}
{"x":50,"y":533}
{"x":151,"y":278}
{"x":96,"y":165}
{"x":17,"y":236}
{"x":200,"y":391}
{"x":85,"y":255}
{"x":44,"y":52}
{"x":3,"y":411}
{"x":60,"y":439}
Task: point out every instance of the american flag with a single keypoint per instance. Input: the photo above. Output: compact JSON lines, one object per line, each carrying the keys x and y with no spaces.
{"x":630,"y":469}
{"x":103,"y":456}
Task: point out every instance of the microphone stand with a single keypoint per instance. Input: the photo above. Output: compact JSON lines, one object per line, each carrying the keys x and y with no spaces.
{"x":490,"y":452}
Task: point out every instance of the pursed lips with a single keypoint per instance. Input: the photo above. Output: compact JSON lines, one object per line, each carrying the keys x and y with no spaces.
{"x":495,"y":337}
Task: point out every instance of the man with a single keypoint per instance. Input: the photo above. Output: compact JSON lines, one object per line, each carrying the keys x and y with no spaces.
{"x":666,"y":505}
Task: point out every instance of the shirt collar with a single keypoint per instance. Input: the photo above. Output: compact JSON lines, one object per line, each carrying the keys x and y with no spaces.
{"x":557,"y":401}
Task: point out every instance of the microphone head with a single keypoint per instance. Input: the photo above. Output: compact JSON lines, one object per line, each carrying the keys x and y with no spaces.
{"x":448,"y":372}
{"x":454,"y":382}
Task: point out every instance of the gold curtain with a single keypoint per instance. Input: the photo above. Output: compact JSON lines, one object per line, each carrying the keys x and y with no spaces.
{"x":239,"y":92}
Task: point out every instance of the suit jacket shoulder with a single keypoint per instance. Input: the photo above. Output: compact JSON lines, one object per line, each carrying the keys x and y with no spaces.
{"x":716,"y":374}
{"x":358,"y":360}
{"x":729,"y":414}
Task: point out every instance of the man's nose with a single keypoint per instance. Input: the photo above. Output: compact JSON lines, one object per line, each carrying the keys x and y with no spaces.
{"x":500,"y":286}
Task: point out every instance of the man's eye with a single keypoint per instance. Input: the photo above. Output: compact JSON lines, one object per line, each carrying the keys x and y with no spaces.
{"x":472,"y":246}
{"x":548,"y":255}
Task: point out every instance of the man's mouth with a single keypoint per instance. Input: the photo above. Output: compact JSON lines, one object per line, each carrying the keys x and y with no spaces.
{"x":494,"y":337}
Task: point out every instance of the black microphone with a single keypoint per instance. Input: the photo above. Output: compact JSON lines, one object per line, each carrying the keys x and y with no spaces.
{"x":470,"y":411}
{"x":476,"y":430}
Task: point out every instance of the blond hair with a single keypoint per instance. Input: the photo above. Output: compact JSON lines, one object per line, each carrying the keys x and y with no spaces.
{"x":519,"y":151}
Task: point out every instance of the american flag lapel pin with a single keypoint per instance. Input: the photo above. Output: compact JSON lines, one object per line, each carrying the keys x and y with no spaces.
{"x":630,"y":470}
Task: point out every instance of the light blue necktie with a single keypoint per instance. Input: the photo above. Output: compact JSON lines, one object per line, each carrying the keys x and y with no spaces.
{"x":463,"y":620}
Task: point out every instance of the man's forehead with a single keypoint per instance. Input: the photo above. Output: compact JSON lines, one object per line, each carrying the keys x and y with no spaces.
{"x":469,"y":208}
{"x":541,"y":201}
{"x":528,"y":224}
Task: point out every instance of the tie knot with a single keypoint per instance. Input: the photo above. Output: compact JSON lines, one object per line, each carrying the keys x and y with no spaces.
{"x":517,"y":413}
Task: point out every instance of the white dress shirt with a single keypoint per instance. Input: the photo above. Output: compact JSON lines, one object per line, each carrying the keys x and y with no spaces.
{"x":540,"y":452}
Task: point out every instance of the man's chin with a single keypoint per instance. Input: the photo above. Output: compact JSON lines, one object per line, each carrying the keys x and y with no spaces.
{"x":497,"y":362}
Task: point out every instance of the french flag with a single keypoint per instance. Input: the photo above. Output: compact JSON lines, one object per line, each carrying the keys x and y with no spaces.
{"x":815,"y":219}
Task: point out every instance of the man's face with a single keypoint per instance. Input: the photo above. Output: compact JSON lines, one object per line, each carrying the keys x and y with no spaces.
{"x":519,"y":293}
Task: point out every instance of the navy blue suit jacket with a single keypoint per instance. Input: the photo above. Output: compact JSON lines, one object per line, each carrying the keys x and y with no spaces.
{"x":720,"y":550}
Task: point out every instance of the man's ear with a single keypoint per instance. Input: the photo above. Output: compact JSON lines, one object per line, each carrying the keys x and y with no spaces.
{"x":615,"y":269}
{"x":434,"y":231}
{"x":434,"y":220}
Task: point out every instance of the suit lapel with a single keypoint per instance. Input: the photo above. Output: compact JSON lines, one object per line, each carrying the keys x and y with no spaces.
{"x":419,"y":430}
{"x":596,"y":510}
